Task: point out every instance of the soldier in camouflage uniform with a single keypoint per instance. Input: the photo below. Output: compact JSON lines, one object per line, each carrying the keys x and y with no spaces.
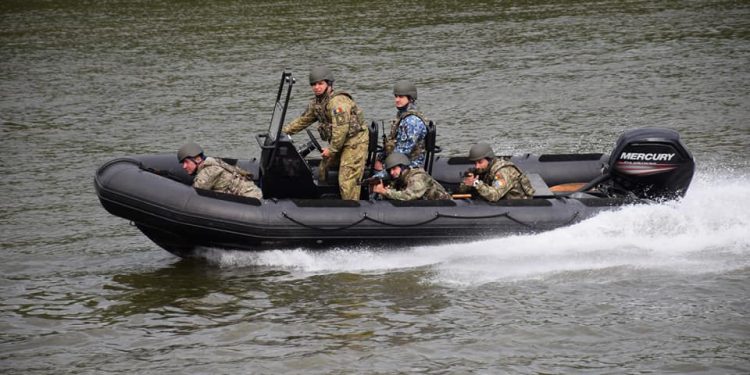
{"x":409,"y":129}
{"x":409,"y":183}
{"x":215,"y":174}
{"x":342,"y":125}
{"x":494,"y":178}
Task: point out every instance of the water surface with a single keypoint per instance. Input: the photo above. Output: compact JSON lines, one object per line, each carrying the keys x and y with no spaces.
{"x":653,"y":289}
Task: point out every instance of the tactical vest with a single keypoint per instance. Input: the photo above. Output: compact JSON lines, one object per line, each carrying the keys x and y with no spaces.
{"x":325,"y":127}
{"x":523,"y":181}
{"x":435,"y":191}
{"x":240,"y":177}
{"x":390,"y":143}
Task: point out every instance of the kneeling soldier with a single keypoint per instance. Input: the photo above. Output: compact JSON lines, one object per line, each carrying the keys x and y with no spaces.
{"x":409,"y":183}
{"x":494,"y":178}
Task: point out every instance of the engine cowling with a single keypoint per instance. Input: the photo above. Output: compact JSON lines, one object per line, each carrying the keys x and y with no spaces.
{"x":651,"y":163}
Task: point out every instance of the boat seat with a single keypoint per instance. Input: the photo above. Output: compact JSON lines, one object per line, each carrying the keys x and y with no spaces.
{"x":430,"y":147}
{"x":372,"y":145}
{"x":570,"y":187}
{"x":541,"y":190}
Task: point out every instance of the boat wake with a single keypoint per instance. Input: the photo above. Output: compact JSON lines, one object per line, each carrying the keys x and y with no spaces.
{"x":702,"y":233}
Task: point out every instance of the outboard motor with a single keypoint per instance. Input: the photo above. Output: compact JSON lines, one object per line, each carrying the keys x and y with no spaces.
{"x":651,"y":163}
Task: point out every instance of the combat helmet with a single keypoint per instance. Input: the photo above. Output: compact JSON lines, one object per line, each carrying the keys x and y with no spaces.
{"x":481,"y":151}
{"x":320,"y":73}
{"x":189,"y":150}
{"x":405,"y":88}
{"x":395,"y":159}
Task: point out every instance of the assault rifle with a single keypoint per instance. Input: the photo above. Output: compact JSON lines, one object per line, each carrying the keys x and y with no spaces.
{"x":471,"y":172}
{"x":372,"y":181}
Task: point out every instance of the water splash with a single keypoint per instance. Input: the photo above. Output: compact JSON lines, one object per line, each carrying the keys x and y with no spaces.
{"x":704,"y":232}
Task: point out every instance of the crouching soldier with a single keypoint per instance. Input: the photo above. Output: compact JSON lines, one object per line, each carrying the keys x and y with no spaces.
{"x":409,"y":183}
{"x":215,"y":174}
{"x":494,"y":178}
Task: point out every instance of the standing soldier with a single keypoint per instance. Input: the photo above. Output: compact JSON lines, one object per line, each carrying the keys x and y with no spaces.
{"x":342,"y":125}
{"x":215,"y":174}
{"x":494,"y":178}
{"x":409,"y":183}
{"x":409,"y":129}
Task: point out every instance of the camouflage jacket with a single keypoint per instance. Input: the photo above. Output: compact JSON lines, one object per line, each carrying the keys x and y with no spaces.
{"x":340,"y":121}
{"x":407,"y":135}
{"x":215,"y":174}
{"x":503,"y":180}
{"x":415,"y":184}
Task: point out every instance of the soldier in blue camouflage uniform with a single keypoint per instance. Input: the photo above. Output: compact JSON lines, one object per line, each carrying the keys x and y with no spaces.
{"x":215,"y":174}
{"x":342,"y":125}
{"x":409,"y":183}
{"x":494,"y":178}
{"x":409,"y":129}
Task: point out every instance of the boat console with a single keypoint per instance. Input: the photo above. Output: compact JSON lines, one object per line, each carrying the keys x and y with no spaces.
{"x":284,"y":172}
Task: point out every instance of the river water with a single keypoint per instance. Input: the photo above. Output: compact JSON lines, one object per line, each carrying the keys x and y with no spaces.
{"x":651,"y":289}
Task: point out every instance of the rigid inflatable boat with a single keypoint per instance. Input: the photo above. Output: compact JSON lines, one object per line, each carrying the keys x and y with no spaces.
{"x":301,"y":209}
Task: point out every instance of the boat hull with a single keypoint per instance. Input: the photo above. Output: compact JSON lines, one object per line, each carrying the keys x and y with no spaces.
{"x":154,"y":193}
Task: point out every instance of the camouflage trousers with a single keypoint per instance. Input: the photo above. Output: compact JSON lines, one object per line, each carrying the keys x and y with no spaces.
{"x":351,"y":161}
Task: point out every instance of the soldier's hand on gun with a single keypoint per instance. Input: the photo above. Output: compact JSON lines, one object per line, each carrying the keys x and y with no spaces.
{"x":469,"y":179}
{"x":326,"y":154}
{"x":379,"y":188}
{"x":378,"y":165}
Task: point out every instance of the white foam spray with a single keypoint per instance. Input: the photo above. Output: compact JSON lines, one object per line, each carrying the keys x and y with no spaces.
{"x":707,"y":231}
